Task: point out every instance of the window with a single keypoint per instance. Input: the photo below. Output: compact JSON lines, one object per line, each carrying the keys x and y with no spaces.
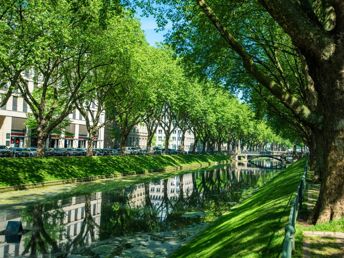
{"x":75,"y":229}
{"x":94,"y":209}
{"x":24,"y":106}
{"x":160,"y":138}
{"x":80,"y":116}
{"x":69,"y":216}
{"x":14,"y":103}
{"x":74,"y":114}
{"x":76,"y":214}
{"x":27,"y":73}
{"x":160,"y":131}
{"x":82,"y":212}
{"x":173,"y":138}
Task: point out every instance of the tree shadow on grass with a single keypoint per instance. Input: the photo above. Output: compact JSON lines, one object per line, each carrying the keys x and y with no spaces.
{"x":255,"y":228}
{"x":323,"y":247}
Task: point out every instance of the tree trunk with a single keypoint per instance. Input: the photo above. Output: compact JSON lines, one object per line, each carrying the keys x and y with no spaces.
{"x":89,"y":151}
{"x":123,"y":141}
{"x":92,"y":134}
{"x":167,"y":140}
{"x":182,"y":143}
{"x":41,"y":141}
{"x":329,"y":78}
{"x":204,"y":146}
{"x":195,"y":143}
{"x":219,"y":149}
{"x":149,"y":141}
{"x":314,"y":160}
{"x":330,"y":204}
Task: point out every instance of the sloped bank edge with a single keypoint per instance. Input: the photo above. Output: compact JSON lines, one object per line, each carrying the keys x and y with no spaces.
{"x":178,"y":253}
{"x":191,"y":166}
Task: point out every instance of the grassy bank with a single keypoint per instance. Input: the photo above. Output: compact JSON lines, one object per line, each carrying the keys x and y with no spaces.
{"x":254,"y":228}
{"x":19,"y":171}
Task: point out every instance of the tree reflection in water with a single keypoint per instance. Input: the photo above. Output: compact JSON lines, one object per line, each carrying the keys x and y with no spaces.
{"x":48,"y":229}
{"x":147,"y":207}
{"x":42,"y":233}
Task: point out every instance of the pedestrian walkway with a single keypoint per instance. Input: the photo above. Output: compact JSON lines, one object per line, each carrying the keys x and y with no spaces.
{"x":319,"y":243}
{"x":323,"y":244}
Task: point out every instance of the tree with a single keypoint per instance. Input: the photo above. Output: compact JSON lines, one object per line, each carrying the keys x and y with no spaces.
{"x":16,"y":47}
{"x":173,"y":75}
{"x":155,"y":73}
{"x":108,"y":49}
{"x":57,"y":58}
{"x":125,"y":104}
{"x":315,"y":30}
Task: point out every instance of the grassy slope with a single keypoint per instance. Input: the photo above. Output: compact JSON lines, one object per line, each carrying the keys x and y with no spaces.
{"x":254,"y":228}
{"x":17,"y":171}
{"x":332,"y":226}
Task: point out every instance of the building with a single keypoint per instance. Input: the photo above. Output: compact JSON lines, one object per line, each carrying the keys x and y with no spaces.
{"x":15,"y":133}
{"x":138,"y":138}
{"x":175,"y":139}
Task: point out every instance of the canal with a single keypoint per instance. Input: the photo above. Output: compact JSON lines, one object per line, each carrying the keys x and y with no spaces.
{"x":150,"y":219}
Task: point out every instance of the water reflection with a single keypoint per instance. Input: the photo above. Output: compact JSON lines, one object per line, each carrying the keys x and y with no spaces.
{"x":58,"y":227}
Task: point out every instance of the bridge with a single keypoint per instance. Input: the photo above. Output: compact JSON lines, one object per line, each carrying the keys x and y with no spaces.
{"x":278,"y":155}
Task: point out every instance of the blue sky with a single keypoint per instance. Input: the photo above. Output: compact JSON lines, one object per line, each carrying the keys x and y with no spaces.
{"x":149,"y":26}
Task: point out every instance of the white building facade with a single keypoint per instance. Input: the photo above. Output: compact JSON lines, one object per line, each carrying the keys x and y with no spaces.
{"x":138,"y":138}
{"x":175,"y":139}
{"x":15,"y":133}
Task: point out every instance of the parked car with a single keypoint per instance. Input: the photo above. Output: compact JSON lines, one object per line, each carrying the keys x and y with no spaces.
{"x":113,"y":152}
{"x":171,"y":151}
{"x":98,"y":152}
{"x":5,"y":151}
{"x":71,"y":152}
{"x":157,"y":150}
{"x":57,"y":152}
{"x":32,"y":152}
{"x":182,"y":152}
{"x":19,"y":152}
{"x":80,"y":152}
{"x":135,"y":150}
{"x":127,"y":150}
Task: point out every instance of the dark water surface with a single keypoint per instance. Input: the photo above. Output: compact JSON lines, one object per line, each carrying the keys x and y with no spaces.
{"x":150,"y":219}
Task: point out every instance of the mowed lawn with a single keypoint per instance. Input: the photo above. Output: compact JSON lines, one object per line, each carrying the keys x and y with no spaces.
{"x":20,"y":171}
{"x":254,"y":228}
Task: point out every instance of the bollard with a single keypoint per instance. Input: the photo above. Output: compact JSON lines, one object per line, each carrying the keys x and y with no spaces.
{"x":14,"y":228}
{"x":13,"y":232}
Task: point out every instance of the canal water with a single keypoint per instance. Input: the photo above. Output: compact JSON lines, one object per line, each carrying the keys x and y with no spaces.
{"x":150,"y":219}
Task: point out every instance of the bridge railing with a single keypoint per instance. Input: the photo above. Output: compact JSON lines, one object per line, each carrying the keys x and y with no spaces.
{"x":289,"y":238}
{"x":263,"y":152}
